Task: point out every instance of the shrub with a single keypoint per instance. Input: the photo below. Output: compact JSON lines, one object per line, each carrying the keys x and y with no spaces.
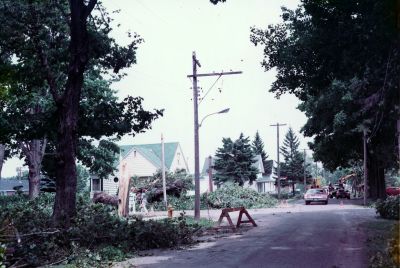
{"x":97,"y":234}
{"x":388,"y":257}
{"x":161,"y":234}
{"x":389,"y":208}
{"x":236,"y":196}
{"x":2,"y":255}
{"x":181,"y":203}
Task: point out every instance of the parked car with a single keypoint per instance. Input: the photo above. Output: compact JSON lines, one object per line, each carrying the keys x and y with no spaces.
{"x":342,"y":193}
{"x":393,"y":190}
{"x":316,"y":195}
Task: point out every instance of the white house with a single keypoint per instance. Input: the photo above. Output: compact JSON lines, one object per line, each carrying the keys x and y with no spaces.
{"x":263,"y":184}
{"x":142,"y":161}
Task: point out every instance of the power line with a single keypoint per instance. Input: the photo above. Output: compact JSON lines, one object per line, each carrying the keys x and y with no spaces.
{"x":195,"y":75}
{"x":208,"y":91}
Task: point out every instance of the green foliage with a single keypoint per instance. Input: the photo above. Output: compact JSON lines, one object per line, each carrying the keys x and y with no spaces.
{"x":258,"y":148}
{"x":393,"y":178}
{"x":293,"y":165}
{"x":2,"y":255}
{"x":233,"y":195}
{"x":234,"y":162}
{"x":183,"y":202}
{"x":179,"y":179}
{"x":389,"y":208}
{"x":385,"y":247}
{"x":96,"y":235}
{"x":61,"y":53}
{"x":341,"y":59}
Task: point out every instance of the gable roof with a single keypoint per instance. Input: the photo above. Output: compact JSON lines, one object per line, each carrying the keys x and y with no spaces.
{"x":8,"y":185}
{"x":207,"y":164}
{"x":258,"y":164}
{"x":152,"y":152}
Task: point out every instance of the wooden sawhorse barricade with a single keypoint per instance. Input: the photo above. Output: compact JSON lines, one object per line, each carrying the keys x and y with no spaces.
{"x":225,"y":213}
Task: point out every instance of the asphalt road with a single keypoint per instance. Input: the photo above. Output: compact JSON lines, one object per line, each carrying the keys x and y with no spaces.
{"x":291,"y":236}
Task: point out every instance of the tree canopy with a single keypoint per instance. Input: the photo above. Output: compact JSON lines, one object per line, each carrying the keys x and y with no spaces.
{"x":234,"y":162}
{"x":59,"y":49}
{"x":258,"y":149}
{"x":342,"y":60}
{"x":293,"y":165}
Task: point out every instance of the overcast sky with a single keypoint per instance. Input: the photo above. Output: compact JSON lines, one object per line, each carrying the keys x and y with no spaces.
{"x":219,"y":35}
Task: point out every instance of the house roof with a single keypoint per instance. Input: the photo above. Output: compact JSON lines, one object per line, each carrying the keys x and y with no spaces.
{"x":207,"y":164}
{"x":266,"y":179}
{"x":8,"y":185}
{"x":152,"y":152}
{"x":257,"y":164}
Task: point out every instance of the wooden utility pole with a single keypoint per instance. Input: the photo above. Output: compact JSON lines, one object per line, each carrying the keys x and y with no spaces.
{"x":195,"y":75}
{"x":163,"y":171}
{"x":304,"y":170}
{"x":365,"y":166}
{"x":210,"y":178}
{"x":277,"y":156}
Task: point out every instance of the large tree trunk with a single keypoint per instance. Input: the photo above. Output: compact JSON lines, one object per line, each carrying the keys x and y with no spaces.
{"x":376,"y":179}
{"x":34,"y":152}
{"x":66,"y":181}
{"x":68,"y":104}
{"x":2,"y":150}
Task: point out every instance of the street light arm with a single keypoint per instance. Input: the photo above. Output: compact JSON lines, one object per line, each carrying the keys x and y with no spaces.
{"x":220,"y":112}
{"x":201,"y":122}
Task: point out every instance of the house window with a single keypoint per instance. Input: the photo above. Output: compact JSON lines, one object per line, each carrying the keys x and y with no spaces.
{"x":96,"y":185}
{"x":261,"y":187}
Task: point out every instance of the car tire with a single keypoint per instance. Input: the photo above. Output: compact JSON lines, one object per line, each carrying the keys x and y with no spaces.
{"x":326,"y":202}
{"x":307,"y":202}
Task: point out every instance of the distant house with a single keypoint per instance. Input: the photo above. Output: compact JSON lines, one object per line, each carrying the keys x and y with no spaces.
{"x":10,"y":187}
{"x":142,"y":161}
{"x":264,"y":182}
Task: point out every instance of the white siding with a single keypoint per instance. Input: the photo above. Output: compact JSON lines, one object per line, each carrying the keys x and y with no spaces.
{"x":136,"y":165}
{"x":109,"y":186}
{"x":179,"y":161}
{"x":253,"y":186}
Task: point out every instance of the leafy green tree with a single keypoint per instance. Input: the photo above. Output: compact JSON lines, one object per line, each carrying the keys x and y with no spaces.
{"x":234,"y":162}
{"x":2,"y":154}
{"x":258,"y":148}
{"x":56,"y":43}
{"x":341,"y":59}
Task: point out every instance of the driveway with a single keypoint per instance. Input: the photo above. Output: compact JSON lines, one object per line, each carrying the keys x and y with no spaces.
{"x":293,"y":235}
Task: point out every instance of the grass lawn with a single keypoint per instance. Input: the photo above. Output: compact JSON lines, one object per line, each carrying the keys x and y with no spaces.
{"x":379,"y":233}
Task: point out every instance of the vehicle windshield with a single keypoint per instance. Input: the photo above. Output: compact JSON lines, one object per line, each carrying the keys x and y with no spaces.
{"x":316,"y":191}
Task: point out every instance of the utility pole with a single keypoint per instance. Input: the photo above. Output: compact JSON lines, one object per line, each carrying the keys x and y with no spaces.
{"x":277,"y":156}
{"x":304,"y":170}
{"x":163,"y":170}
{"x":195,"y":75}
{"x":365,"y":166}
{"x":210,"y":178}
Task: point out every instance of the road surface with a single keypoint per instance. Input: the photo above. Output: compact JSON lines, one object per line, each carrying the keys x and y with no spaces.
{"x":295,"y":235}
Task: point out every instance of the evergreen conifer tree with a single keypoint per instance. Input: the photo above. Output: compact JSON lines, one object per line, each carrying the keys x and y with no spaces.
{"x":234,"y":162}
{"x":293,"y":166}
{"x":258,"y":148}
